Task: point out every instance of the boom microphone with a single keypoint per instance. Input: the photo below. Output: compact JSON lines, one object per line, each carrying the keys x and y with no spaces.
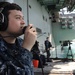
{"x":12,"y":35}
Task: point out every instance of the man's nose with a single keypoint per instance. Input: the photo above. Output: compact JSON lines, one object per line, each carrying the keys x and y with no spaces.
{"x":22,"y":22}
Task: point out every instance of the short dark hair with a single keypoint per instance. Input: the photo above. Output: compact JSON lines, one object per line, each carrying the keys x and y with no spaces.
{"x":9,"y":6}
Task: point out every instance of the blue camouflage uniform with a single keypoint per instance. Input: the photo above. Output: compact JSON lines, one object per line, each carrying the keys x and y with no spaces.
{"x":14,"y":59}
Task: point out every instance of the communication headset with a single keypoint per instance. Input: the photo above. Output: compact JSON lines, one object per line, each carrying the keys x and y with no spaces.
{"x":3,"y":21}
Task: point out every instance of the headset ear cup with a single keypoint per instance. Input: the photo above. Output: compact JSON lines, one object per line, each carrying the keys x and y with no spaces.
{"x":3,"y":22}
{"x":1,"y":19}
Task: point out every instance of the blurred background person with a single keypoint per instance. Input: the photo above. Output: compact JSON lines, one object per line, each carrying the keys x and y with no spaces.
{"x":48,"y":47}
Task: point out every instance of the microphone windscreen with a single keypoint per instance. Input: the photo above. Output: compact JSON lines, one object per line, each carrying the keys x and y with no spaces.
{"x":24,"y":29}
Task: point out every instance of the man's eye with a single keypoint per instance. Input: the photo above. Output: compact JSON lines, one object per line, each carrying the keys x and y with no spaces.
{"x":18,"y":18}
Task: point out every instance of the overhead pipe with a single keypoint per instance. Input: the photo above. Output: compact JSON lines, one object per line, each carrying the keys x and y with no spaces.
{"x":27,"y":12}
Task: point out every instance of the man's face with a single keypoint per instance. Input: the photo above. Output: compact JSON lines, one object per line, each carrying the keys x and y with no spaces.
{"x":15,"y":23}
